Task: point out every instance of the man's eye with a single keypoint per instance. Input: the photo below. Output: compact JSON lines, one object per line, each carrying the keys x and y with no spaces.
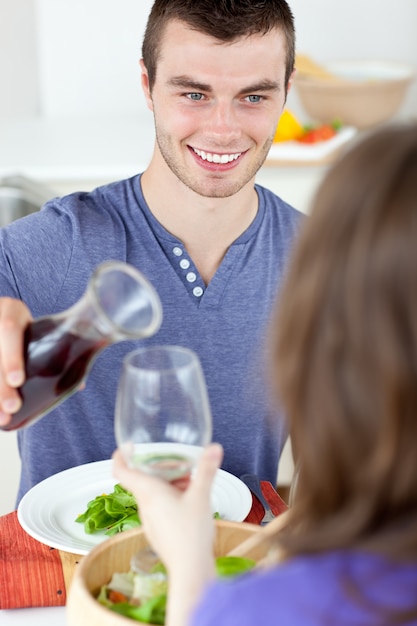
{"x":254,"y":99}
{"x":195,"y":96}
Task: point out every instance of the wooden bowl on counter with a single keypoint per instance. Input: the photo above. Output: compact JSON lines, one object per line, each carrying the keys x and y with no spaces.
{"x":114,"y":554}
{"x":358,"y":93}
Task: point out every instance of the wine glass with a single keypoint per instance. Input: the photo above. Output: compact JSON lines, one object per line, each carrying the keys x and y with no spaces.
{"x":162,"y":416}
{"x":162,"y":419}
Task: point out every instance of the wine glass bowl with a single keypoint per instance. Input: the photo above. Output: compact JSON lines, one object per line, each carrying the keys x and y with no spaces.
{"x":162,"y":415}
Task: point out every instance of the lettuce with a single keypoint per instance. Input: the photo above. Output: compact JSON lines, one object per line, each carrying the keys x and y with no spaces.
{"x":152,"y":610}
{"x":233,"y":565}
{"x":113,"y":512}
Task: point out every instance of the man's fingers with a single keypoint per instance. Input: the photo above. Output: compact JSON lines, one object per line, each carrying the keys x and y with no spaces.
{"x":14,"y":317}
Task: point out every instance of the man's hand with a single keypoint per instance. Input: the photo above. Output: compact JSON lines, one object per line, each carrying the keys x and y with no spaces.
{"x":14,"y":318}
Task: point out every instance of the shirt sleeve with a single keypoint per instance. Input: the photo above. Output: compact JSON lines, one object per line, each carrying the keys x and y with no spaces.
{"x":35,"y":253}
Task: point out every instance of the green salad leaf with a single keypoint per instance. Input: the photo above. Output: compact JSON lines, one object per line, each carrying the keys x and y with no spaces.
{"x":151,"y":610}
{"x":113,"y":512}
{"x":233,"y":565}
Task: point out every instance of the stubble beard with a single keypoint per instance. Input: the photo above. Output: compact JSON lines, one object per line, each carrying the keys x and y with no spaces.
{"x":209,"y":185}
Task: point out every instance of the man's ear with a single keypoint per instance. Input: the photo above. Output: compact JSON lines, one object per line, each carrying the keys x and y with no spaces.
{"x":289,"y":85}
{"x":291,"y":80}
{"x":145,"y":85}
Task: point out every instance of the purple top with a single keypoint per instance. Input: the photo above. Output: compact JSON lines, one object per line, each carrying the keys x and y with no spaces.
{"x":344,"y":588}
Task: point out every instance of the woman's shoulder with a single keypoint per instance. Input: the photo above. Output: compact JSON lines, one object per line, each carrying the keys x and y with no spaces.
{"x":312,"y":585}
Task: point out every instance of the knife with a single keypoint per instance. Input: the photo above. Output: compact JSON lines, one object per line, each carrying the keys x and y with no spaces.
{"x":254,"y":484}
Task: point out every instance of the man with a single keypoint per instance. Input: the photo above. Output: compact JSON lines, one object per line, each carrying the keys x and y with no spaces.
{"x":216,"y":76}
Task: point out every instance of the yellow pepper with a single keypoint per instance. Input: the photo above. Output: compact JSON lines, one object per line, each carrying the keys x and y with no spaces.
{"x":289,"y":128}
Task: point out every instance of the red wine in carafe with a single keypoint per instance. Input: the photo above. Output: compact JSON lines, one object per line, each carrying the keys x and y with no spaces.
{"x":119,"y":304}
{"x":56,"y":364}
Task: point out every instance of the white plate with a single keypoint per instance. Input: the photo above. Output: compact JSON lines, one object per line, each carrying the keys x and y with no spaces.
{"x":298,"y":152}
{"x":47,"y":512}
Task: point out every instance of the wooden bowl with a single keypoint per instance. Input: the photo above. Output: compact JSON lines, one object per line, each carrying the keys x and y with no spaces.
{"x":114,"y":554}
{"x":360,"y":94}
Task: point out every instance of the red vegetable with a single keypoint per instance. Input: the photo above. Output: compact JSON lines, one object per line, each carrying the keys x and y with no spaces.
{"x":117,"y":596}
{"x":321,"y":133}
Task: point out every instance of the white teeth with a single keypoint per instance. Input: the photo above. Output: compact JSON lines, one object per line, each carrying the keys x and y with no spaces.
{"x":217,"y":158}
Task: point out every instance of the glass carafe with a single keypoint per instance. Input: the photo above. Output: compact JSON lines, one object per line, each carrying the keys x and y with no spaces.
{"x":118,"y":304}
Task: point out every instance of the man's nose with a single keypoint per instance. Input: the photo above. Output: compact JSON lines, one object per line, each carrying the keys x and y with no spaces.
{"x":223,"y":121}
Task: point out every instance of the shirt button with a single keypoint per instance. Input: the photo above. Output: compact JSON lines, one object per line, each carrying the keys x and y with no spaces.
{"x":191,"y":277}
{"x":185,"y":264}
{"x":197,"y":291}
{"x":177,"y":251}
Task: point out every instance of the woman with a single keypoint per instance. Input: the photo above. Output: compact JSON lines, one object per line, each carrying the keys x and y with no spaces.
{"x":344,"y":365}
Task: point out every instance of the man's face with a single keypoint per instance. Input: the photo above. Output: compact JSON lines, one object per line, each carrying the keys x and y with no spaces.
{"x":216,"y":106}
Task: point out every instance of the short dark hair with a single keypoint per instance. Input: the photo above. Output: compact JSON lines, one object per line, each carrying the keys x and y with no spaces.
{"x":224,"y":20}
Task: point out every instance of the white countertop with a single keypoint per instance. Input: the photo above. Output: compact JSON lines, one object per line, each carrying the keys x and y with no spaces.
{"x":50,"y":616}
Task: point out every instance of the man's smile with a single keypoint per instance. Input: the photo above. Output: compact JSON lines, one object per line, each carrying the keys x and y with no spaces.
{"x":213,"y":157}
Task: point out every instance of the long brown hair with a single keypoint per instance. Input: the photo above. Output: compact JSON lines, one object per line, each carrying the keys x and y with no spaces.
{"x":345,"y":353}
{"x":224,"y":20}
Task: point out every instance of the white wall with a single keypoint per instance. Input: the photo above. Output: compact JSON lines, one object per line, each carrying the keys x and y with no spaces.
{"x":85,"y":58}
{"x":19,"y":92}
{"x":88,"y":55}
{"x":331,"y":30}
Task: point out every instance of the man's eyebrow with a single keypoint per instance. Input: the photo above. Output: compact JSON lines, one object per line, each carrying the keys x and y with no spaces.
{"x":263,"y":85}
{"x":185,"y":82}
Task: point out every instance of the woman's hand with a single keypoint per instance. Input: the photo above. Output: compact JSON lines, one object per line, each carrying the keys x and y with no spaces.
{"x":174,"y":521}
{"x":180,"y":527}
{"x":14,"y":318}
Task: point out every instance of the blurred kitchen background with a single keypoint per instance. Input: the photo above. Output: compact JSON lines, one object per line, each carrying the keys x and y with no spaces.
{"x":72,"y":115}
